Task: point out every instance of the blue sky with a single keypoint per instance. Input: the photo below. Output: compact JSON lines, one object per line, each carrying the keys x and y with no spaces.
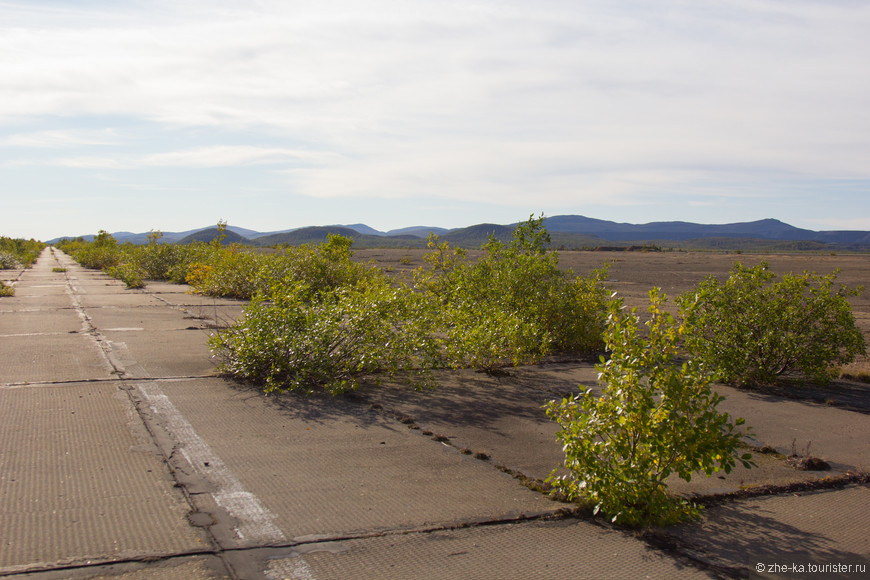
{"x":170,"y":115}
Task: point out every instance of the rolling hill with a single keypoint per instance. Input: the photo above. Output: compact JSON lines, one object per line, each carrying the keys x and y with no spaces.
{"x":567,"y":231}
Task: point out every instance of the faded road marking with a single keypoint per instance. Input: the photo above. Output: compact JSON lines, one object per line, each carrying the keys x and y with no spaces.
{"x":256,"y":520}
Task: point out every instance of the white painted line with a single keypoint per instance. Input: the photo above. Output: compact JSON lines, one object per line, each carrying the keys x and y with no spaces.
{"x":256,"y":520}
{"x":293,"y":568}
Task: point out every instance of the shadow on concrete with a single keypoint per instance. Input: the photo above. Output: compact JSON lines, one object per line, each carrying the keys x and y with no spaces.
{"x":746,"y":535}
{"x":319,"y":407}
{"x":847,"y":395}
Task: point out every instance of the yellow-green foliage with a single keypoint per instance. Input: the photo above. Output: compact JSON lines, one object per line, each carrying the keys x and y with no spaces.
{"x":323,"y":321}
{"x":231,"y":272}
{"x":514,"y":305}
{"x":295,"y":339}
{"x":243,"y":272}
{"x":654,"y":417}
{"x":752,"y":329}
{"x":103,"y":252}
{"x":18,"y":253}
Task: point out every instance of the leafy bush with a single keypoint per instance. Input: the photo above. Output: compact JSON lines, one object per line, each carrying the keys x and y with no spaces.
{"x":514,"y":305}
{"x":128,"y":274}
{"x":653,"y":418}
{"x":18,"y":252}
{"x":753,"y":330}
{"x":158,"y":261}
{"x":6,"y":290}
{"x":231,"y":272}
{"x":100,"y":254}
{"x":326,"y":266}
{"x":9,"y":261}
{"x":294,"y":339}
{"x":242,"y":273}
{"x":318,"y":319}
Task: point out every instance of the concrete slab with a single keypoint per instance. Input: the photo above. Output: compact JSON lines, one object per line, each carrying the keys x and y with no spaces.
{"x":98,"y":297}
{"x":182,"y":295}
{"x":78,"y":275}
{"x":561,"y":549}
{"x":784,"y":535}
{"x":502,"y":417}
{"x":36,"y":321}
{"x":80,"y":481}
{"x":836,"y":435}
{"x":168,"y":353}
{"x":213,"y":311}
{"x":34,"y":301}
{"x":51,"y":358}
{"x":154,"y":318}
{"x":327,"y":467}
{"x":25,"y":288}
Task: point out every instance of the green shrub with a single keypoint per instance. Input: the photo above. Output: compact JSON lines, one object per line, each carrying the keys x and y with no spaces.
{"x":318,"y":319}
{"x":9,"y":261}
{"x":514,"y":305}
{"x":6,"y":290}
{"x":100,"y":254}
{"x":187,"y":257}
{"x":324,"y":267}
{"x":754,"y":330}
{"x":241,"y":273}
{"x":293,"y":339}
{"x":653,"y":418}
{"x":18,"y":253}
{"x":127,"y":273}
{"x":158,"y":261}
{"x":231,"y":272}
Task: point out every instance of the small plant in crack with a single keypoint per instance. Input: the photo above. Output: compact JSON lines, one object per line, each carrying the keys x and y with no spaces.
{"x":805,"y":461}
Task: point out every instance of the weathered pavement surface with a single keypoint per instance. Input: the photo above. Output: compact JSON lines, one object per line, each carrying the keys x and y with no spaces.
{"x":123,"y":456}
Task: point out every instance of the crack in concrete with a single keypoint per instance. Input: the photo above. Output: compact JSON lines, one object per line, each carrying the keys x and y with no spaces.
{"x":299,"y":542}
{"x":25,"y":384}
{"x":98,"y":563}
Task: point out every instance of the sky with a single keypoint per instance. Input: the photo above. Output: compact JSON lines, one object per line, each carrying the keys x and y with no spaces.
{"x":131,"y":115}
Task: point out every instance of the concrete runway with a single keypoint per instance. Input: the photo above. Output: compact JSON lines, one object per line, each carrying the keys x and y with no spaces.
{"x":123,"y":455}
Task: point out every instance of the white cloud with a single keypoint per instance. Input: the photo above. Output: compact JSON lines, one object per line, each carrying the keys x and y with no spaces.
{"x":88,"y":163}
{"x":55,"y":139}
{"x":202,"y":157}
{"x":836,"y":223}
{"x":486,"y":100}
{"x":226,"y":156}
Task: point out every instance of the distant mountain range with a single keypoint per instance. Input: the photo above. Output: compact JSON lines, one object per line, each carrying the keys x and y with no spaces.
{"x":567,"y":231}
